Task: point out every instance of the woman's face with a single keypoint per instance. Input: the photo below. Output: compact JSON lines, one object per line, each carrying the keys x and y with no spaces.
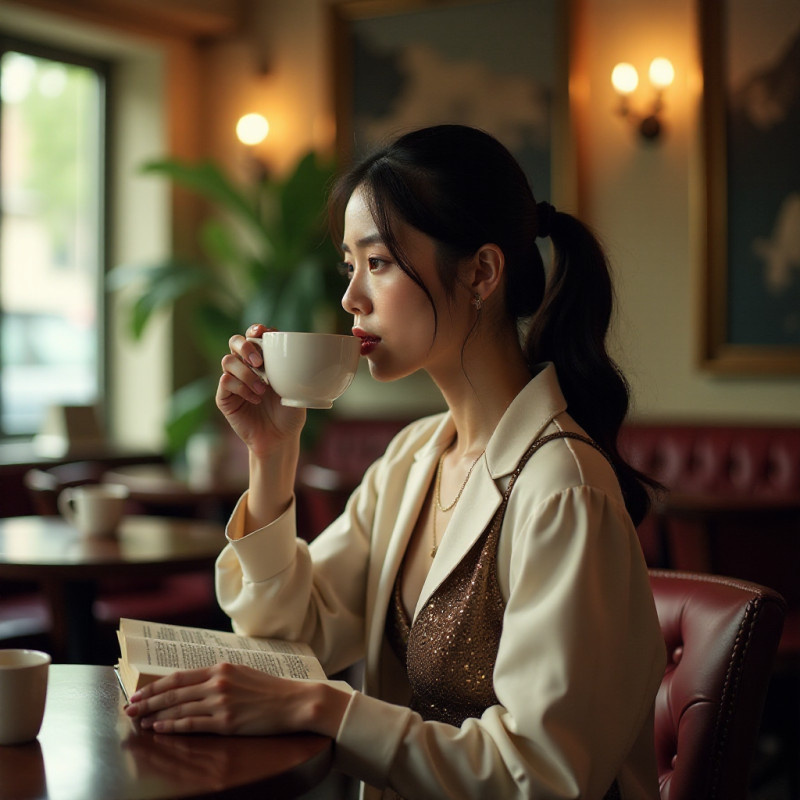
{"x":392,"y":315}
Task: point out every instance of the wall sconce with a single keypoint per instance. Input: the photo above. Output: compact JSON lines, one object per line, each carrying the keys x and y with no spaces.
{"x":251,"y":130}
{"x":625,"y":79}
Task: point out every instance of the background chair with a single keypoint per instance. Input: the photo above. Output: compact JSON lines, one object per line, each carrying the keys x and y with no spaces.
{"x":721,"y":636}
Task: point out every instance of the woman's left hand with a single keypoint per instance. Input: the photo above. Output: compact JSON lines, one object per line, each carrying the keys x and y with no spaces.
{"x":223,"y":699}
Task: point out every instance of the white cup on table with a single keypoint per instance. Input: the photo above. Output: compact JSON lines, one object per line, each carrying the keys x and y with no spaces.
{"x":308,"y":370}
{"x":95,"y":509}
{"x":23,"y":691}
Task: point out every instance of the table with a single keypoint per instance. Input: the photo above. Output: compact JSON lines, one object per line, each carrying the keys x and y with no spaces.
{"x":755,"y":538}
{"x":158,"y":486}
{"x":88,"y":749}
{"x":68,"y":566}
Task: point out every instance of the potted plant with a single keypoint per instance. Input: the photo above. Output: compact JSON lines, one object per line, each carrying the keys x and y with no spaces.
{"x":265,"y":257}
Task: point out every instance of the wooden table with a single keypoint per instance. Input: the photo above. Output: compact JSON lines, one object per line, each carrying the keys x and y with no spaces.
{"x":756,"y":538}
{"x":68,"y":566}
{"x":89,"y":750}
{"x":158,"y":486}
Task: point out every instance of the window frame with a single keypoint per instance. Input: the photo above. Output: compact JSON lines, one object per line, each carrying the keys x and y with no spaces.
{"x":102,"y":68}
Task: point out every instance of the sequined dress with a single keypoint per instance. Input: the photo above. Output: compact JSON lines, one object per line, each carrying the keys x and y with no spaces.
{"x":451,"y":647}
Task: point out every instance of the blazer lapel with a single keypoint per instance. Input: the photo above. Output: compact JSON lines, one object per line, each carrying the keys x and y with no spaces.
{"x":471,"y":516}
{"x":384,"y":574}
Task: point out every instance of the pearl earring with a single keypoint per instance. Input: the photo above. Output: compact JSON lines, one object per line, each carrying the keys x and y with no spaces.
{"x":477,"y":301}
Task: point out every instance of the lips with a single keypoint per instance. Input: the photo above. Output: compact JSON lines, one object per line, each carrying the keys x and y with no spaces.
{"x":368,"y":342}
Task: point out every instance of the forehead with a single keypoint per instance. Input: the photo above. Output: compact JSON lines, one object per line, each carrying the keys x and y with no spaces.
{"x":357,"y":212}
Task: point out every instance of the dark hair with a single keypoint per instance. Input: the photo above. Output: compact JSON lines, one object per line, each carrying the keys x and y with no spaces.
{"x":464,"y":189}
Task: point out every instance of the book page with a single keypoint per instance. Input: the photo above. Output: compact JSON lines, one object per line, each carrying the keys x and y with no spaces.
{"x":157,"y":656}
{"x":205,"y":636}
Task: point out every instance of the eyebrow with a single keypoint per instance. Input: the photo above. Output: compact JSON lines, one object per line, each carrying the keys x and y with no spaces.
{"x":365,"y":241}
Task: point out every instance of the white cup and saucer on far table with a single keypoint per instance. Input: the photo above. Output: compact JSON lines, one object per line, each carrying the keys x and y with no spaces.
{"x":95,"y":509}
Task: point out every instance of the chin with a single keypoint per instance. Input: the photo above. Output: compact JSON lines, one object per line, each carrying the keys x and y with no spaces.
{"x":385,"y":373}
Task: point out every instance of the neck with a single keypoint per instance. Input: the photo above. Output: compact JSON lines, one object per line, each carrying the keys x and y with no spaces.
{"x":494,"y":372}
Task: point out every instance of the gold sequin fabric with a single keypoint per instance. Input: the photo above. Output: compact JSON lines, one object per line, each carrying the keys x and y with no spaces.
{"x":451,"y":648}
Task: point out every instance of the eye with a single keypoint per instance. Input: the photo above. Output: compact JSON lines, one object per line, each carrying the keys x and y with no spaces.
{"x":376,"y":263}
{"x":345,"y":269}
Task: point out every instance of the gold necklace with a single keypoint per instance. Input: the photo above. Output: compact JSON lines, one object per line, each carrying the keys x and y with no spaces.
{"x":438,"y":494}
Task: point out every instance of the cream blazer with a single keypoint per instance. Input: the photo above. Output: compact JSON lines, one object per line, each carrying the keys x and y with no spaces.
{"x":581,"y":654}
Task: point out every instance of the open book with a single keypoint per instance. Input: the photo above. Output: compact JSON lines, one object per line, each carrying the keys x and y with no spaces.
{"x":149,"y":650}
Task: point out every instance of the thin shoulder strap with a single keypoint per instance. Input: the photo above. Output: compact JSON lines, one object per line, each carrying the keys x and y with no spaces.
{"x":544,"y":440}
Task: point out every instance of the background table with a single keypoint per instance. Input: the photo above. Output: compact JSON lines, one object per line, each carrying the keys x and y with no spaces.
{"x":89,"y":750}
{"x":68,"y":566}
{"x":158,"y":486}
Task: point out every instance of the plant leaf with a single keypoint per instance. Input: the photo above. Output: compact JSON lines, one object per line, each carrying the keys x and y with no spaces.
{"x":164,"y":284}
{"x":190,"y":407}
{"x":302,"y":220}
{"x":213,"y":327}
{"x":209,"y":181}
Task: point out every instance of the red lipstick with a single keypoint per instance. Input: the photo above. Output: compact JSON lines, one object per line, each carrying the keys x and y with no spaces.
{"x":368,"y":342}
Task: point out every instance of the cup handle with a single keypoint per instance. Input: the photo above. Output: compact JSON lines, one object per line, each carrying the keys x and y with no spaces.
{"x":258,"y":370}
{"x":66,"y":504}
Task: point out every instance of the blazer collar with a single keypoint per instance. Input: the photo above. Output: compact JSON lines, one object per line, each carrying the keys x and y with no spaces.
{"x":528,"y":415}
{"x":531,"y":411}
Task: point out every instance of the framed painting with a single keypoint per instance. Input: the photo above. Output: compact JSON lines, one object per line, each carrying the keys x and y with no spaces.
{"x":751,"y":124}
{"x":499,"y":65}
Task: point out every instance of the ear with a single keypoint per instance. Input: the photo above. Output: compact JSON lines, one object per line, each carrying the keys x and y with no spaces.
{"x":489,"y":265}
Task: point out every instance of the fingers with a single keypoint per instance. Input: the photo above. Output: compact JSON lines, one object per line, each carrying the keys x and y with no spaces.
{"x":180,"y":695}
{"x":257,"y":329}
{"x":238,"y":376}
{"x":249,"y":352}
{"x":238,"y":379}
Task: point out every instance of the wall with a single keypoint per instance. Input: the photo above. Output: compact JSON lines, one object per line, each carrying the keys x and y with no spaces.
{"x":645,"y":202}
{"x":641,"y":200}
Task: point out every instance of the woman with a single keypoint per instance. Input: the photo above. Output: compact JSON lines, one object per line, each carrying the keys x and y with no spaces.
{"x":503,"y":528}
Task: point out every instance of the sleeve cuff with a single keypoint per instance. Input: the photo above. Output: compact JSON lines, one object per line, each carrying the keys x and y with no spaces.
{"x":369,"y":737}
{"x":265,"y":552}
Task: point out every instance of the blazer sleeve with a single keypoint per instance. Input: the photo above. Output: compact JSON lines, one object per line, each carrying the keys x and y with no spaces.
{"x":271,"y":583}
{"x":579,"y":664}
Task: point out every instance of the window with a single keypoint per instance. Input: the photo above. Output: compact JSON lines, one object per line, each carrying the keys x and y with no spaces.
{"x":52,"y":123}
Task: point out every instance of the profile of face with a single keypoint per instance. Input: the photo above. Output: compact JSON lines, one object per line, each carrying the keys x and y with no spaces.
{"x":392,"y":315}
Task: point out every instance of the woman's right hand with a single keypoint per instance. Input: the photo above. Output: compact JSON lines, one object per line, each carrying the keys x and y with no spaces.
{"x":252,"y":408}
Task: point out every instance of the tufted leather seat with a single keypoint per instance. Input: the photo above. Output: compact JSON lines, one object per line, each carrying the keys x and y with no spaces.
{"x":722,"y":459}
{"x":721,"y":636}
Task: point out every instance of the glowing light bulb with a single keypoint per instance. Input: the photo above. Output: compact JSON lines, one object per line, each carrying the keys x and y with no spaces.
{"x":252,"y":129}
{"x":624,"y":78}
{"x":662,"y":73}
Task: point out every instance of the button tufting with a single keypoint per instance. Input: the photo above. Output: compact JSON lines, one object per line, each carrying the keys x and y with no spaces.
{"x":674,"y":761}
{"x":677,"y":655}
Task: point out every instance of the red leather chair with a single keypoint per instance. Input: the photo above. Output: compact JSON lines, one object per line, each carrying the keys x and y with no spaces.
{"x":721,"y":636}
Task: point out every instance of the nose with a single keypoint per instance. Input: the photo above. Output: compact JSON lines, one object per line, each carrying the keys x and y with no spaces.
{"x":356,"y":299}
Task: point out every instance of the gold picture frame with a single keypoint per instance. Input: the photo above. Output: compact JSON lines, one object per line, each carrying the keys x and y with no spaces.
{"x":564,"y":188}
{"x":748,"y":317}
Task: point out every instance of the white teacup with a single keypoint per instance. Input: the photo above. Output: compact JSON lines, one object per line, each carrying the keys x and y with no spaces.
{"x":23,"y":690}
{"x":308,"y":370}
{"x":95,"y":509}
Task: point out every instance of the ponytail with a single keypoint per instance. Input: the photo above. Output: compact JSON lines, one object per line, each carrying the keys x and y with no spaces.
{"x":462,"y":188}
{"x":570,"y":329}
